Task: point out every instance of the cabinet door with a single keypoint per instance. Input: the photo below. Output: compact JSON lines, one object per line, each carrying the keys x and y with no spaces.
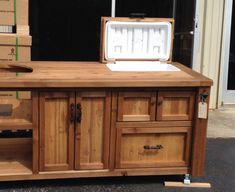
{"x":136,"y":106}
{"x":92,"y":130}
{"x":173,"y":105}
{"x":56,"y":131}
{"x":153,"y":147}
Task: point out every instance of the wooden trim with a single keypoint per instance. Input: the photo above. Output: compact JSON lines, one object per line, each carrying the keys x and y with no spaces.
{"x":151,"y":130}
{"x":107,"y":127}
{"x":15,"y":124}
{"x":121,"y":96}
{"x":199,"y":137}
{"x":71,"y":136}
{"x":113,"y":131}
{"x":136,"y":117}
{"x":77,"y":136}
{"x":35,"y":121}
{"x":154,"y":124}
{"x":91,"y":166}
{"x":96,"y":173}
{"x":153,"y":164}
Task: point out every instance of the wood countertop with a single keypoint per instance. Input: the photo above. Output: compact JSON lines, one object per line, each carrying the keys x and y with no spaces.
{"x":94,"y":74}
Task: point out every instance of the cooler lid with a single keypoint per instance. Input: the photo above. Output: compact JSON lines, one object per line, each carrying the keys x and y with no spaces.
{"x":138,"y":40}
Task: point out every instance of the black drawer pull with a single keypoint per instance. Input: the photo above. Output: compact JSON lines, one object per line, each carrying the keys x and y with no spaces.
{"x":79,"y":113}
{"x":72,"y":113}
{"x":153,"y":147}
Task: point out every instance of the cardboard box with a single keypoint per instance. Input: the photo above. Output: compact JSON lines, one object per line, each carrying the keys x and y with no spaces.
{"x":14,"y":12}
{"x":10,"y":51}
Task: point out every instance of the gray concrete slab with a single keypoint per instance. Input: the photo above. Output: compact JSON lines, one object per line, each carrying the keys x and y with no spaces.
{"x":221,"y":123}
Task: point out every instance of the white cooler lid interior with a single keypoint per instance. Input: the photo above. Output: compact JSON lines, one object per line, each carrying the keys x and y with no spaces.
{"x":138,"y":40}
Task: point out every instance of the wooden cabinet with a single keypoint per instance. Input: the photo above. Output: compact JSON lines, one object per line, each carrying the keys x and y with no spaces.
{"x":163,"y":138}
{"x":74,"y":126}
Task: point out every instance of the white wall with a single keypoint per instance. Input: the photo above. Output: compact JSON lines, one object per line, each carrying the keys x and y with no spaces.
{"x":208,"y":56}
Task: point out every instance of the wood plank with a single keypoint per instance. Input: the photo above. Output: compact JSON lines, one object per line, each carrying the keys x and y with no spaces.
{"x":181,"y":184}
{"x":15,"y":156}
{"x":175,"y":105}
{"x":15,"y":124}
{"x":113,"y":131}
{"x":136,"y":106}
{"x":95,"y":173}
{"x":56,"y":131}
{"x":92,"y":133}
{"x":154,"y":124}
{"x":94,"y":74}
{"x":199,"y":137}
{"x":35,"y":120}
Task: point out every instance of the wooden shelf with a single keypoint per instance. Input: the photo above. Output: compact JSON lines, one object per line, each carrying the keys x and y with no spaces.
{"x":15,"y":124}
{"x":15,"y":156}
{"x":15,"y":166}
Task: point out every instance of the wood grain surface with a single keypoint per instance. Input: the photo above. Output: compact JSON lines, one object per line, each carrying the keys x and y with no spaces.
{"x":95,"y":74}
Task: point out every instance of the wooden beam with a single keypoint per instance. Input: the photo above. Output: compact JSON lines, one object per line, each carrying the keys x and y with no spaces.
{"x":181,"y":184}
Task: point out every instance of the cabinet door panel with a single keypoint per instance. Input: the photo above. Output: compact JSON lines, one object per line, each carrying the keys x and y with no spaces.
{"x":136,"y":106}
{"x":175,"y":105}
{"x":153,"y":147}
{"x":56,"y":131}
{"x":92,"y":144}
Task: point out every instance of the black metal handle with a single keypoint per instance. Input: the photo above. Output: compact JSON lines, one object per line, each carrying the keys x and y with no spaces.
{"x":153,"y":147}
{"x":72,"y":113}
{"x":79,"y":113}
{"x":138,"y":15}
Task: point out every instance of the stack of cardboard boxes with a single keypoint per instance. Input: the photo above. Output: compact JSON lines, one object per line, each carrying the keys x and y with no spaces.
{"x":15,"y":43}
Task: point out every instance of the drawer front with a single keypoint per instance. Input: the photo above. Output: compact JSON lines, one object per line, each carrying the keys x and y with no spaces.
{"x":136,"y":106}
{"x":153,"y":147}
{"x":175,"y":105}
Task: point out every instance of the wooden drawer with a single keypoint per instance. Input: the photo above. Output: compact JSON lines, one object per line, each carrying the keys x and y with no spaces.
{"x":153,"y":147}
{"x":173,"y":105}
{"x":136,"y":106}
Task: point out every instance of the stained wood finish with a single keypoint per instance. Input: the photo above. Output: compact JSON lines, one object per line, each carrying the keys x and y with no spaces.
{"x":92,"y":133}
{"x":15,"y":156}
{"x":136,"y":106}
{"x":175,"y":142}
{"x":35,"y":124}
{"x":56,"y":131}
{"x":175,"y":105}
{"x":20,"y":117}
{"x":199,"y":141}
{"x":95,"y":74}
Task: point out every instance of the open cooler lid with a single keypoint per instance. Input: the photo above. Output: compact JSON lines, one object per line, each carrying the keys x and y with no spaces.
{"x":138,"y":40}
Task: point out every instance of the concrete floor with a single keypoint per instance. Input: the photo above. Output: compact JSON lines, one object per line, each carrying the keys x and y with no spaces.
{"x":221,"y":123}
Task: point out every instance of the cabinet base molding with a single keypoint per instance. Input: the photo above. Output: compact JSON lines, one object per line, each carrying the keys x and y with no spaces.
{"x":95,"y":173}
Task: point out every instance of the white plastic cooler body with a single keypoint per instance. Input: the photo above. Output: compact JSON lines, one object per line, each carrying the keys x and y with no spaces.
{"x":138,"y":40}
